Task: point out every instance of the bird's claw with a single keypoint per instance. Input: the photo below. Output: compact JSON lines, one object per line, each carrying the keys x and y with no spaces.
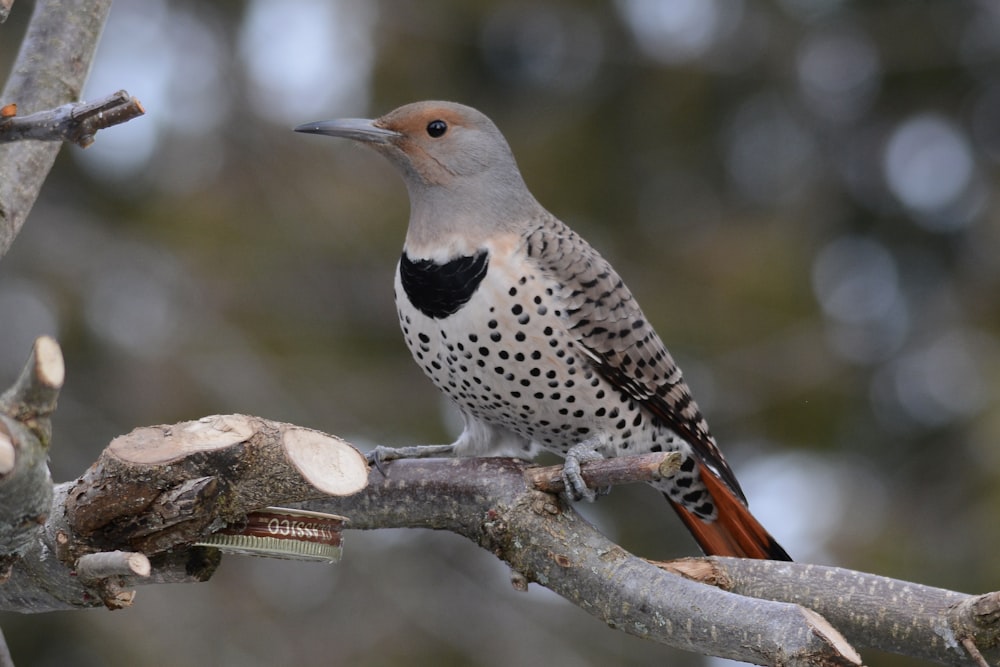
{"x":381,"y":455}
{"x":378,"y":458}
{"x":576,"y":487}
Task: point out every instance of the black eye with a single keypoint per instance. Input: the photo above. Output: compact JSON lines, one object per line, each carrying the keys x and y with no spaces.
{"x":436,"y":128}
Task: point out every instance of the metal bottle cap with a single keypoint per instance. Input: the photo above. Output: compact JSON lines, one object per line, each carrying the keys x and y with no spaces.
{"x":277,"y":532}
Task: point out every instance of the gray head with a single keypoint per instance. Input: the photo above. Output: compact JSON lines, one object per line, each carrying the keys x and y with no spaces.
{"x":459,"y":170}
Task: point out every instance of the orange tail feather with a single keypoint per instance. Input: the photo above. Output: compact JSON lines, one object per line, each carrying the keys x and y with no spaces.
{"x":735,"y":532}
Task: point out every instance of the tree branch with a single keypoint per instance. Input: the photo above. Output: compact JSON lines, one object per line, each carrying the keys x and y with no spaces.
{"x":873,"y":611}
{"x":491,"y":501}
{"x":135,"y":515}
{"x":25,"y":483}
{"x":76,"y":122}
{"x":49,"y":71}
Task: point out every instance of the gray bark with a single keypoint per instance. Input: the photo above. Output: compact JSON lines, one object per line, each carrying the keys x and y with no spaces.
{"x":50,"y":70}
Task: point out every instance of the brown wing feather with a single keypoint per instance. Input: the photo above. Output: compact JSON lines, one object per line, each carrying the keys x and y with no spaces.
{"x":623,"y":347}
{"x":621,"y":344}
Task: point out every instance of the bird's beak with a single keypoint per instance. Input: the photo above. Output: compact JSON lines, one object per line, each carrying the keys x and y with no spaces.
{"x":359,"y":129}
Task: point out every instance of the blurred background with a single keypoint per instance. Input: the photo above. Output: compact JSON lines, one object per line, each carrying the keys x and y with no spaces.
{"x":801,"y":193}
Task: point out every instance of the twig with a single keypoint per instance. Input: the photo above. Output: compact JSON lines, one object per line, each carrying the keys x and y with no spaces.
{"x":76,"y":122}
{"x":95,"y":567}
{"x":609,"y":472}
{"x":107,"y":574}
{"x":970,"y":646}
{"x":50,"y":70}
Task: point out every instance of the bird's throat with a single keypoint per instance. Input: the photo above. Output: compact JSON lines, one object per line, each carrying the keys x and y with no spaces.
{"x":440,"y":289}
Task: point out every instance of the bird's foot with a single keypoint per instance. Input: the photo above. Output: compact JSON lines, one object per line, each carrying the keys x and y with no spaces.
{"x":576,"y":488}
{"x":379,"y":456}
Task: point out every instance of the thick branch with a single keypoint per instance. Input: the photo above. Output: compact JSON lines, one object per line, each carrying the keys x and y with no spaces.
{"x":76,"y":122}
{"x":878,"y":612}
{"x":163,"y":487}
{"x":491,"y":502}
{"x":158,"y":490}
{"x":50,"y":70}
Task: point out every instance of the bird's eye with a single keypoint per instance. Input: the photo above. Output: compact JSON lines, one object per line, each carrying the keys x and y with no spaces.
{"x":436,"y":128}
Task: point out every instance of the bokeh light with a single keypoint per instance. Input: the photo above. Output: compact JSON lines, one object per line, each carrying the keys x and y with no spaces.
{"x":307,"y":58}
{"x":839,"y":73}
{"x":930,"y":168}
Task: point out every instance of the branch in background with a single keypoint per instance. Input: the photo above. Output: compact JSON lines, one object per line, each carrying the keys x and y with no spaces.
{"x":32,"y":398}
{"x":76,"y":122}
{"x":25,"y":483}
{"x":49,"y":71}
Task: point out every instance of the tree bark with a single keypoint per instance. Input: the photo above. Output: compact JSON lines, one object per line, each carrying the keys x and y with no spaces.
{"x":50,"y":70}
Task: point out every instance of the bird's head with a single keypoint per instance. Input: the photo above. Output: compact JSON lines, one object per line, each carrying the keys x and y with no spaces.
{"x":457,"y":165}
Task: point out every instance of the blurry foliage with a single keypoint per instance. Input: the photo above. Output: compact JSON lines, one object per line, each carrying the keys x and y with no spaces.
{"x":801,"y":193}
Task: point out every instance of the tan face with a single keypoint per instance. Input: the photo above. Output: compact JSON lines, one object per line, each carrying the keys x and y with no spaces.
{"x":441,"y":141}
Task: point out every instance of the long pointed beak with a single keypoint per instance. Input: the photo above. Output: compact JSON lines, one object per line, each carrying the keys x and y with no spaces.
{"x":359,"y":129}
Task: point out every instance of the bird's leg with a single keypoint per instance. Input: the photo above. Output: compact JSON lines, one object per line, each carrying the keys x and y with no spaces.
{"x":576,"y":488}
{"x":379,"y":456}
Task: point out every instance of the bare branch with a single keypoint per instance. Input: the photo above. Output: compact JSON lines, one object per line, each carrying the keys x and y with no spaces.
{"x":163,"y":486}
{"x":25,"y":484}
{"x":95,"y":567}
{"x":32,"y":398}
{"x":76,"y":122}
{"x":158,"y":490}
{"x":489,"y":502}
{"x":878,"y":612}
{"x":50,"y":70}
{"x":135,"y":515}
{"x":609,"y":472}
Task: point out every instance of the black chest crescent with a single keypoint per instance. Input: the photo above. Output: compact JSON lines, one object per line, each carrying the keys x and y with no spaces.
{"x":439,"y":290}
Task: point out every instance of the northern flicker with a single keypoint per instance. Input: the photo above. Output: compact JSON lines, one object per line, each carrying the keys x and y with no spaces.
{"x":530,"y":331}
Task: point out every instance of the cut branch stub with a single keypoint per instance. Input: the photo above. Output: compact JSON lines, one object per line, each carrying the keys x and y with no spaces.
{"x":32,"y":398}
{"x":163,"y":486}
{"x":25,"y":430}
{"x":76,"y":122}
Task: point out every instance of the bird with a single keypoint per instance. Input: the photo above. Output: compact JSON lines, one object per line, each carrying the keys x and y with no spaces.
{"x":530,"y":332}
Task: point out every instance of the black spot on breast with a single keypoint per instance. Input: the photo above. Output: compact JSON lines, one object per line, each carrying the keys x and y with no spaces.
{"x":439,"y":290}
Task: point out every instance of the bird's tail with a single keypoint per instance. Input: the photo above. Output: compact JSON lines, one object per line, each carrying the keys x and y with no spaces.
{"x":735,"y":532}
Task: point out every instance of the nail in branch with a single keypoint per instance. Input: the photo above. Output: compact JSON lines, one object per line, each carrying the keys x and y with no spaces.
{"x":76,"y":122}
